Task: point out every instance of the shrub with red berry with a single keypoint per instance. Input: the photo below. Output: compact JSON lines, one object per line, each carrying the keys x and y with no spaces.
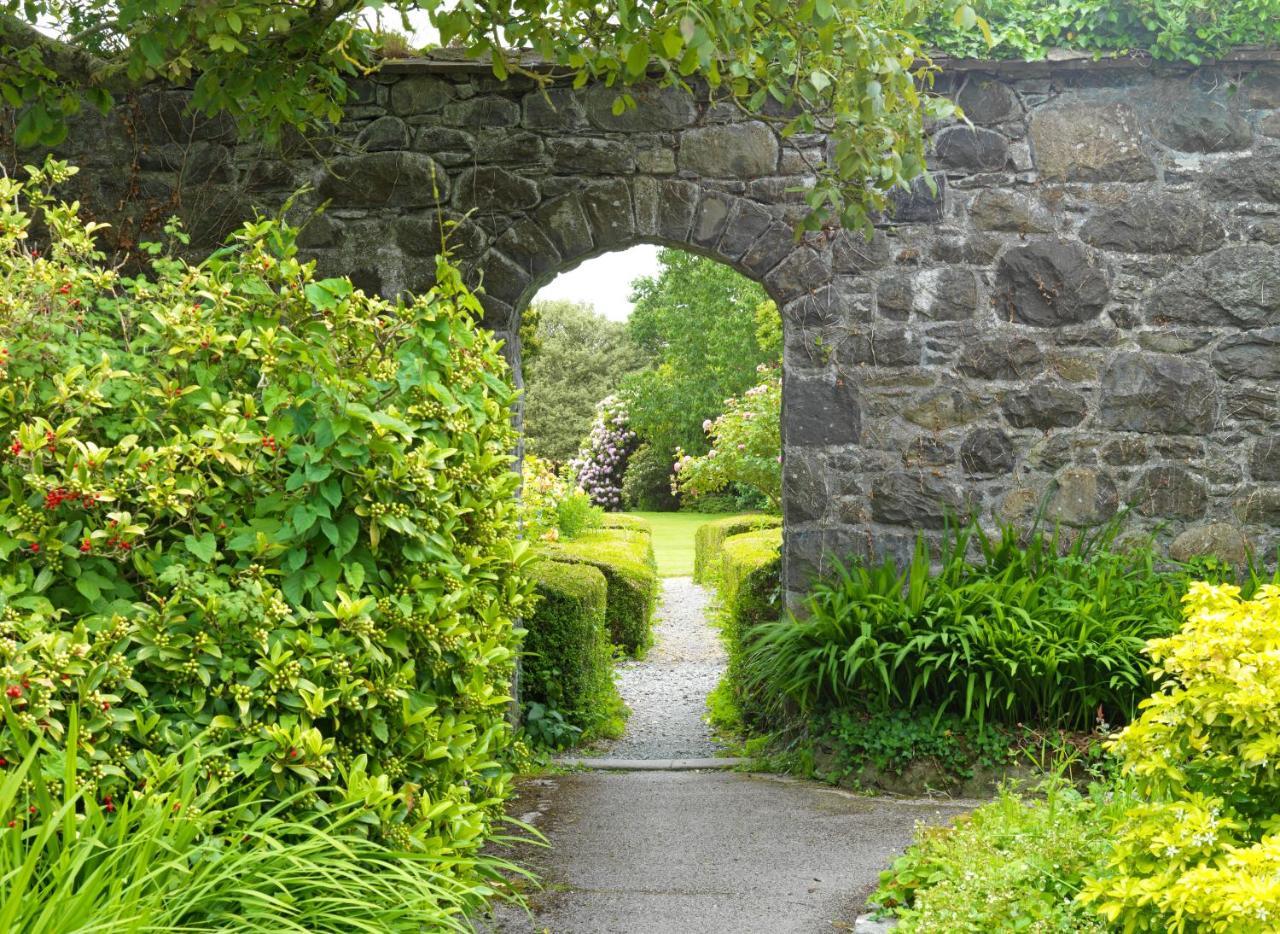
{"x":243,"y":504}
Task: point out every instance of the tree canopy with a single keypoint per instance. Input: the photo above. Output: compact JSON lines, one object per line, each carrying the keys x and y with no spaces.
{"x":581,"y":358}
{"x":707,"y":329}
{"x":848,"y":67}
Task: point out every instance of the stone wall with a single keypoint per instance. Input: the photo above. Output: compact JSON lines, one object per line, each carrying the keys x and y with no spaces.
{"x":1082,"y":312}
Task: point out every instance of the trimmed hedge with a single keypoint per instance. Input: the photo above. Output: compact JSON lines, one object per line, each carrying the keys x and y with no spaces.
{"x":750,"y":594}
{"x":620,"y":520}
{"x":708,"y":547}
{"x":568,"y":660}
{"x":625,"y":558}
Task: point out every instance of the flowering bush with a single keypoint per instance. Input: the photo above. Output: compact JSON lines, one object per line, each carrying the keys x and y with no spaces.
{"x":541,"y":491}
{"x":1203,"y":851}
{"x":242,"y":504}
{"x":746,"y":445}
{"x":602,"y":461}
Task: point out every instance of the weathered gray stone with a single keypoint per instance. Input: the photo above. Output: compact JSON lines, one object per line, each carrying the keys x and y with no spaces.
{"x":943,"y":408}
{"x":656,"y":109}
{"x":566,"y":224}
{"x":425,"y":235}
{"x":879,"y":346}
{"x":925,"y":203}
{"x":853,"y":252}
{"x":987,"y":102}
{"x":1200,"y":123}
{"x":676,"y":209}
{"x":820,"y":410}
{"x":712,"y":218}
{"x":383,"y":134}
{"x":492,"y":188}
{"x":608,"y":208}
{"x":987,"y":452}
{"x":489,"y":110}
{"x":927,"y":451}
{"x":1170,"y":492}
{"x":553,"y":109}
{"x":946,"y":294}
{"x":196,"y":163}
{"x":168,"y":118}
{"x":730,"y":150}
{"x":590,"y":157}
{"x":747,"y":223}
{"x":1003,"y":357}
{"x":804,"y":270}
{"x":1258,"y":506}
{"x":1155,"y":394}
{"x":805,"y":478}
{"x":1264,"y":459}
{"x":971,"y":149}
{"x":420,"y":94}
{"x":438,"y":140}
{"x":895,"y":296}
{"x":1000,"y":209}
{"x":1253,"y":178}
{"x":1220,"y":540}
{"x":1044,"y":406}
{"x":1049,"y":283}
{"x":915,"y":500}
{"x":1171,"y":224}
{"x":1082,"y":496}
{"x":1251,"y":355}
{"x":1175,"y":340}
{"x":497,"y":144}
{"x":1082,"y":141}
{"x":1237,"y":285}
{"x":527,"y":245}
{"x":403,"y":179}
{"x":1125,"y":452}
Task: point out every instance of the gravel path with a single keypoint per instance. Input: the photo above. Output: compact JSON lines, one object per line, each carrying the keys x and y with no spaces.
{"x":667,"y":691}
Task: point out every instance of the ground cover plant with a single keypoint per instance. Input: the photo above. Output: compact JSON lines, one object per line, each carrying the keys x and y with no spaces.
{"x":673,"y":539}
{"x":1027,"y":632}
{"x":241,"y":504}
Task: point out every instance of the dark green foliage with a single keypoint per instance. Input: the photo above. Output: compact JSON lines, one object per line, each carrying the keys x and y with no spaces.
{"x":646,"y":486}
{"x":1179,"y":30}
{"x":1035,"y":632}
{"x":625,"y":557}
{"x":698,"y":321}
{"x":568,"y":662}
{"x":750,"y":590}
{"x":709,"y":541}
{"x":579,"y":358}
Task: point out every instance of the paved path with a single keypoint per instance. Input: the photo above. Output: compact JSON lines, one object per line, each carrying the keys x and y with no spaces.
{"x":698,"y":852}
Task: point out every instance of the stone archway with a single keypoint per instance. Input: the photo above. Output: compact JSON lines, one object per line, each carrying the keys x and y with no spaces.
{"x":1083,"y":310}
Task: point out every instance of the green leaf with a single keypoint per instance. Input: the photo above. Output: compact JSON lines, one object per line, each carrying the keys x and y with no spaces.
{"x":204,"y":547}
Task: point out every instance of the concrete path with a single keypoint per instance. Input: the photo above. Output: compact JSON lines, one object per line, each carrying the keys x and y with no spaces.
{"x":697,"y":852}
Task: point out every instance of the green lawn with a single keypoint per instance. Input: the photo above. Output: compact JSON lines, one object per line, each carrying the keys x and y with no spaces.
{"x":673,"y":539}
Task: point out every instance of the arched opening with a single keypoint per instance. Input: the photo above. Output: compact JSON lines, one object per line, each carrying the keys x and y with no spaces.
{"x":652,"y":407}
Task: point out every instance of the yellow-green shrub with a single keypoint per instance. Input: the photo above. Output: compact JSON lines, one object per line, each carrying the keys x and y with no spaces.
{"x":568,"y":661}
{"x":241,"y":504}
{"x":708,"y":541}
{"x":1203,"y":852}
{"x":620,"y":520}
{"x":625,"y":557}
{"x":750,"y":589}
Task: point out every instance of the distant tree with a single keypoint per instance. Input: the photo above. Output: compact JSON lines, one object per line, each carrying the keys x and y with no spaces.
{"x":581,"y":358}
{"x":707,"y":328}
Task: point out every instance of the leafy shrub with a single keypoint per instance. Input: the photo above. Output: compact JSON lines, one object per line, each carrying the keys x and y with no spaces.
{"x":162,"y":857}
{"x":750,"y":590}
{"x":625,"y":557}
{"x":708,"y":541}
{"x":1029,"y":633}
{"x":243,"y":504}
{"x":1011,"y":865}
{"x":746,"y":445}
{"x":1201,"y":849}
{"x":575,"y":514}
{"x":602,"y":461}
{"x":1178,"y":30}
{"x":568,"y":662}
{"x":541,"y":492}
{"x":646,"y":486}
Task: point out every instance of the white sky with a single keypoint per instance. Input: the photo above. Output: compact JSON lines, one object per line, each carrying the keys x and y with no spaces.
{"x":604,"y":282}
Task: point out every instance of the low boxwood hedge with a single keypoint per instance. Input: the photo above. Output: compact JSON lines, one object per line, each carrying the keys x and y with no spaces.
{"x":568,"y":660}
{"x":625,"y":558}
{"x":750,"y":588}
{"x":619,"y":520}
{"x":710,"y":537}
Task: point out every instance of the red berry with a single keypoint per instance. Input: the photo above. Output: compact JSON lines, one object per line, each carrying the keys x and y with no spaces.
{"x":15,"y":448}
{"x":86,"y":546}
{"x":106,"y":705}
{"x":13,"y":823}
{"x":3,"y":762}
{"x":35,"y":547}
{"x":293,"y":753}
{"x":65,"y":288}
{"x":14,"y":691}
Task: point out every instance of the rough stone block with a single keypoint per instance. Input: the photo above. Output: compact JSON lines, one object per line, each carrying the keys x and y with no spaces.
{"x":730,"y":150}
{"x":1049,"y":283}
{"x":1087,"y":141}
{"x":819,"y":410}
{"x":1155,"y":393}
